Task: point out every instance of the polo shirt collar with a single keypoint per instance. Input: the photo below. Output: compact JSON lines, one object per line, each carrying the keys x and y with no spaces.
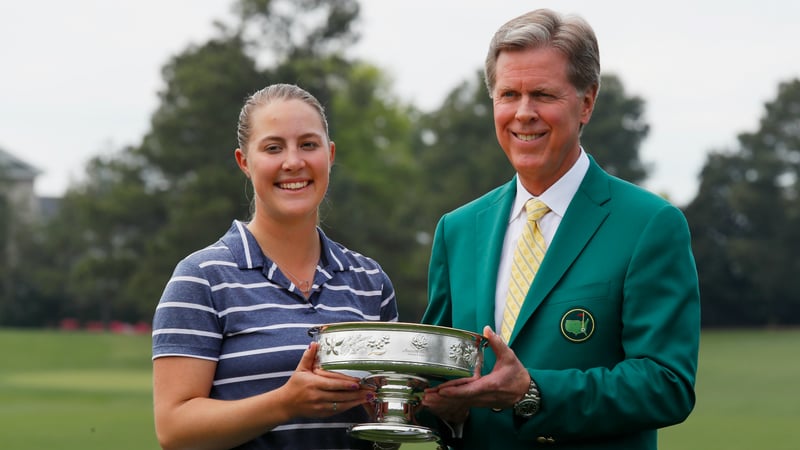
{"x":248,"y":254}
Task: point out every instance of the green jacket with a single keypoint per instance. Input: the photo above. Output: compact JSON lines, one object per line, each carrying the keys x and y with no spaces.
{"x":609,"y":329}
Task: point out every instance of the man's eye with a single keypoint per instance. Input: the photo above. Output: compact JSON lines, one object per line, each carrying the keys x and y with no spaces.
{"x":309,"y":145}
{"x":506,"y":95}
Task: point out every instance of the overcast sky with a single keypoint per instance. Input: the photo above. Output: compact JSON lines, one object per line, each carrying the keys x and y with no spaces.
{"x":81,"y":76}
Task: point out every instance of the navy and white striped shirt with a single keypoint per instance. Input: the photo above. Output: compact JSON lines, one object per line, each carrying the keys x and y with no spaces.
{"x":231,"y":304}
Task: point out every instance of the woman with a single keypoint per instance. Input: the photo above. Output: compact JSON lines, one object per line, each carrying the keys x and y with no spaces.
{"x":233,"y":365}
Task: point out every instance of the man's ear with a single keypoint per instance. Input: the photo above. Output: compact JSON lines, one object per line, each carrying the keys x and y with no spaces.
{"x":588,"y":101}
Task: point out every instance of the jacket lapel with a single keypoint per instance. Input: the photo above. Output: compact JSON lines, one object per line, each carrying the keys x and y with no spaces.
{"x":490,"y":230}
{"x":585,"y":214}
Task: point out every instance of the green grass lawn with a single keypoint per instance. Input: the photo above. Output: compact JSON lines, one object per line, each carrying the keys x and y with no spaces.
{"x":75,"y":391}
{"x":748,"y":394}
{"x":92,"y":391}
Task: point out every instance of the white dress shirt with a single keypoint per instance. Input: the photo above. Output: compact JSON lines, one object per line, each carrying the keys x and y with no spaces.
{"x":557,"y":197}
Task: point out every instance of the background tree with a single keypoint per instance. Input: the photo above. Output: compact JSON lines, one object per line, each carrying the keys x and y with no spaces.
{"x":745,"y":221}
{"x":6,"y":289}
{"x":22,"y":301}
{"x":188,"y":165}
{"x":21,"y":304}
{"x":616,"y":131}
{"x":458,"y":151}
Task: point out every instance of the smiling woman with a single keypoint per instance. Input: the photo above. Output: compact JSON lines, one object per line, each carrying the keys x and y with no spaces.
{"x":233,"y":362}
{"x":285,"y":151}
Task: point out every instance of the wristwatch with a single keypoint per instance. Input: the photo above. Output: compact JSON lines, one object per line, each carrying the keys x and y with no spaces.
{"x":530,"y":403}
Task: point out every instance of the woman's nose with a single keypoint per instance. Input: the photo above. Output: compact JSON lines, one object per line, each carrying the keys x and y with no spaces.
{"x":294,"y":159}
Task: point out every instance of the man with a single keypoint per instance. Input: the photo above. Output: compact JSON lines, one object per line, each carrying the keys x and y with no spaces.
{"x":603,"y":349}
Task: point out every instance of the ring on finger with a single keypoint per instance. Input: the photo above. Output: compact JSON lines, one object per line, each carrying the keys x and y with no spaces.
{"x":335,"y":406}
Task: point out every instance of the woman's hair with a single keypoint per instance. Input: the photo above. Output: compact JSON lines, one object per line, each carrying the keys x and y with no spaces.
{"x":544,"y":28}
{"x":268,"y":95}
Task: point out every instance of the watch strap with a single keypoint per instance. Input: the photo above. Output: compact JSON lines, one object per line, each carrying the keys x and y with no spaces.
{"x":530,"y":403}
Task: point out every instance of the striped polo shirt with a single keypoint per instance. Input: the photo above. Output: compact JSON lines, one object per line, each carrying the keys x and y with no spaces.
{"x":231,"y":304}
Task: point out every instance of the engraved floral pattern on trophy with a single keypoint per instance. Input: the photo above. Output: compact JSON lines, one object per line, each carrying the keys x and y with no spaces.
{"x":419,"y":345}
{"x":360,"y":345}
{"x":463,"y":353}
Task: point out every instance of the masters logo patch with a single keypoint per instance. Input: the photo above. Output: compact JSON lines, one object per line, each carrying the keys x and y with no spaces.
{"x":577,"y":325}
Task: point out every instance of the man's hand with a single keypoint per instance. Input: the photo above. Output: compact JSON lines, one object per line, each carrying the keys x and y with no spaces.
{"x":505,"y":385}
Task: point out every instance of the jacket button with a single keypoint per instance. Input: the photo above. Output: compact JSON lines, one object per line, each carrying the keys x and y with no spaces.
{"x":545,"y":440}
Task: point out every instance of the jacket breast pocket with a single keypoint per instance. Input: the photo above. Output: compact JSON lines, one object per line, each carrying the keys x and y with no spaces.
{"x":586,"y":293}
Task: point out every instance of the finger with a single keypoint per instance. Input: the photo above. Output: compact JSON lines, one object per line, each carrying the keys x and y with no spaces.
{"x":308,"y":358}
{"x":446,"y":409}
{"x":352,"y":397}
{"x":451,"y":383}
{"x":496,"y":343}
{"x":336,"y":375}
{"x":429,"y":398}
{"x":434,"y":402}
{"x":332,"y":384}
{"x":343,"y":403}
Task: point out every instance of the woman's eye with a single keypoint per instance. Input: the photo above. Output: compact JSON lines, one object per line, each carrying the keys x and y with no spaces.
{"x":309,"y":145}
{"x":273,"y":148}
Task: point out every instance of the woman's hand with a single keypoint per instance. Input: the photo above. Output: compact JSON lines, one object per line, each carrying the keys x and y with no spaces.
{"x":314,"y":392}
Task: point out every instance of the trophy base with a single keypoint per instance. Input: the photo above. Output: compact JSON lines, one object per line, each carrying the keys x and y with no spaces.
{"x":393,"y":433}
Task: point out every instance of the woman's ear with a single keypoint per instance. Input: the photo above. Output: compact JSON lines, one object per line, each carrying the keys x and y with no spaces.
{"x":241,"y":161}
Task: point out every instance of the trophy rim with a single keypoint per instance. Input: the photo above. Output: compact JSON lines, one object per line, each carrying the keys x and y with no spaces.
{"x":398,"y":326}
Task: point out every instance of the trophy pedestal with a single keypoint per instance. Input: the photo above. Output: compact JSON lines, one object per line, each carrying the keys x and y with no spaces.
{"x":397,"y":398}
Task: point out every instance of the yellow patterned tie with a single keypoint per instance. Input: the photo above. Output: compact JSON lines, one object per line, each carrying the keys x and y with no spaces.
{"x":527,"y":258}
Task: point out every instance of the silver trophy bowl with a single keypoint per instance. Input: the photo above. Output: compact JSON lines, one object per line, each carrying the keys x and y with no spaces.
{"x":398,"y":360}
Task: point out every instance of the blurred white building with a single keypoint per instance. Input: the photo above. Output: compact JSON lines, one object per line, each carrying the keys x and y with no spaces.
{"x":17,"y":187}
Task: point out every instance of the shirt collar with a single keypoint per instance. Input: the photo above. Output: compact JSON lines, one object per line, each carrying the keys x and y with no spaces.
{"x":558,"y":196}
{"x":248,"y":255}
